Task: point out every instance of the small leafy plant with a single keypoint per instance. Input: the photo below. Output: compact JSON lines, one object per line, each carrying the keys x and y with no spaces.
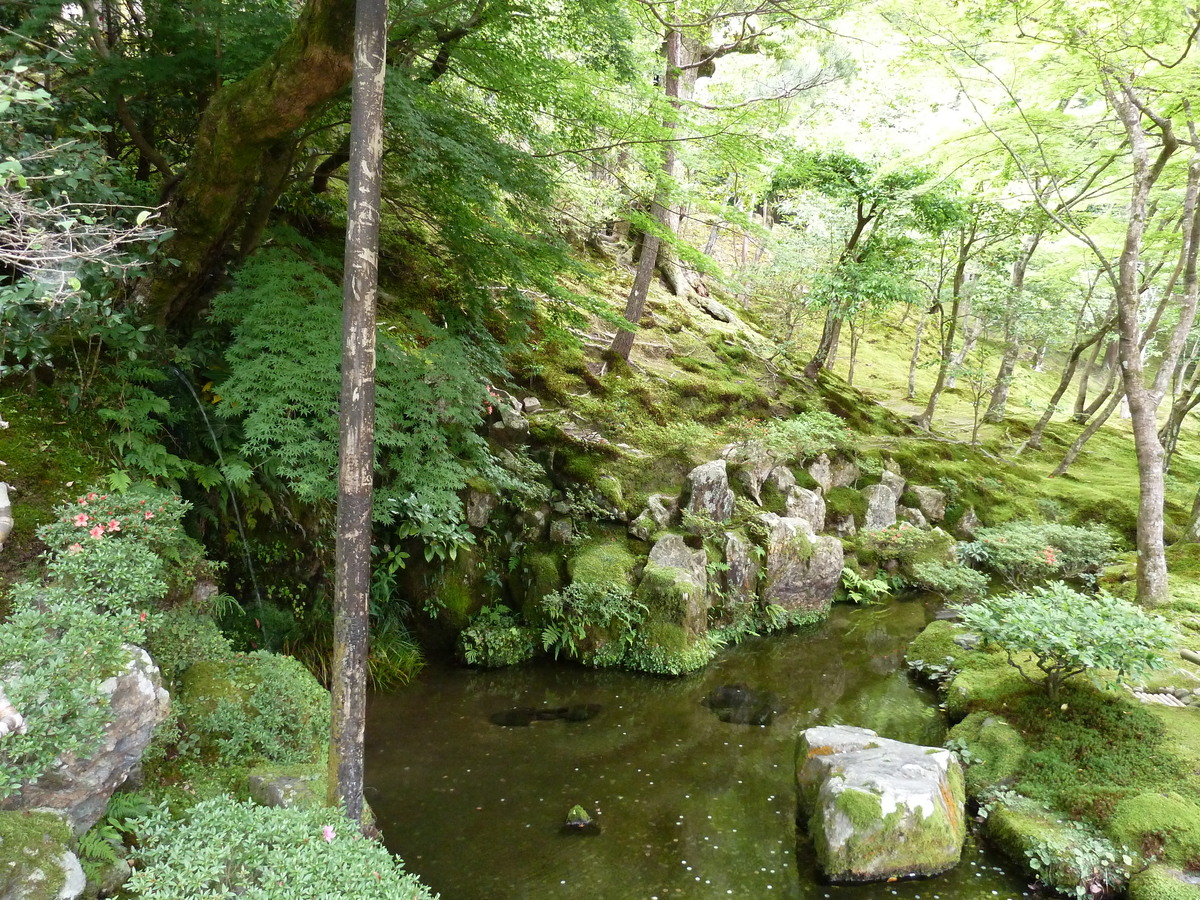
{"x":497,"y":638}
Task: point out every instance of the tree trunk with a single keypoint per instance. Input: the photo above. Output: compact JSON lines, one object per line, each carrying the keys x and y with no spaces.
{"x":1085,"y":435}
{"x":1012,"y":343}
{"x":356,"y":467}
{"x":1192,"y":535}
{"x":1095,"y":339}
{"x":234,"y":168}
{"x":648,"y":260}
{"x":1086,"y":376}
{"x":959,"y":303}
{"x":916,"y":355}
{"x":855,"y":336}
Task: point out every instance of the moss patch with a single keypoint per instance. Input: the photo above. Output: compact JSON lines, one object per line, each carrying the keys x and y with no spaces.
{"x":1166,"y":826}
{"x":605,"y":562}
{"x":30,"y":843}
{"x":1160,"y":882}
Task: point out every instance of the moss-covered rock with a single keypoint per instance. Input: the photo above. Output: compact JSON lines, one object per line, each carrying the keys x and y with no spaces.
{"x":997,"y":748}
{"x":604,"y":562}
{"x":35,"y":858}
{"x":879,"y":809}
{"x":1161,"y":882}
{"x":540,"y":574}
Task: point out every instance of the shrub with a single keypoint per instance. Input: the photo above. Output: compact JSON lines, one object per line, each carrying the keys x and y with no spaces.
{"x":904,"y":543}
{"x":950,"y":579}
{"x":225,"y":849}
{"x":181,"y":637}
{"x":1024,"y":552}
{"x":496,"y":638}
{"x":256,"y":707}
{"x":1069,"y":633}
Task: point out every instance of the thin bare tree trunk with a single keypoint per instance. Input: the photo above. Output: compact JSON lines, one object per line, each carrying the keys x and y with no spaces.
{"x":916,"y":355}
{"x":356,"y":468}
{"x":1086,"y":435}
{"x":1012,"y":344}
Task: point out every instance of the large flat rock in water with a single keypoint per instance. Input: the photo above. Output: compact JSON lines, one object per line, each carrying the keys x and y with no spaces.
{"x":877,"y":808}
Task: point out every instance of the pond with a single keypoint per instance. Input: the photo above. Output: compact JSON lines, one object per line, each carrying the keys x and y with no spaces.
{"x":688,"y":805}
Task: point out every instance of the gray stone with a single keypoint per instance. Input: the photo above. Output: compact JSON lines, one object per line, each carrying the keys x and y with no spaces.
{"x":754,"y":463}
{"x":535,"y":523}
{"x":782,"y":479}
{"x":881,"y":507}
{"x":965,"y":529}
{"x":805,"y":504}
{"x":113,"y":876}
{"x":643,"y":527}
{"x":843,"y":472}
{"x":286,"y":791}
{"x":708,"y":491}
{"x":512,"y":425}
{"x":879,"y":809}
{"x":675,"y":584}
{"x":822,"y":472}
{"x":480,"y":506}
{"x":912,"y":516}
{"x":931,"y":501}
{"x":718,"y":311}
{"x":75,"y":881}
{"x":531,"y":405}
{"x":662,"y":508}
{"x":802,"y":569}
{"x":841,"y":524}
{"x":741,"y":576}
{"x":78,"y":789}
{"x":561,"y":531}
{"x":894,"y":482}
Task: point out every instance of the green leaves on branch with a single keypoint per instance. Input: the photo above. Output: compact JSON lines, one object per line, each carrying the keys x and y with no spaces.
{"x":1052,"y":634}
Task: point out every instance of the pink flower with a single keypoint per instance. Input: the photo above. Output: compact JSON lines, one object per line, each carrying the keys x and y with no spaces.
{"x":81,"y":520}
{"x":114,"y":525}
{"x":97,"y":532}
{"x":91,"y":496}
{"x":75,"y":548}
{"x":329,"y":834}
{"x":148,"y":514}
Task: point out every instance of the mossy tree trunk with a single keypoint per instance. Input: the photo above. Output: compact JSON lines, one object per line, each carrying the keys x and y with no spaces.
{"x":1012,"y":338}
{"x":357,"y":417}
{"x":241,"y":158}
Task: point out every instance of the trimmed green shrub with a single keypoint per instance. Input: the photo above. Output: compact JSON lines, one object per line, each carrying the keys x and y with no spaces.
{"x":180,"y":637}
{"x":949,"y":579}
{"x":906,"y":544}
{"x":223,"y":848}
{"x":1069,"y":633}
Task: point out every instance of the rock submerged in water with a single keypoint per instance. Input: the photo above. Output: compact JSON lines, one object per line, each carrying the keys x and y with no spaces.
{"x":524,"y":716}
{"x":739,"y":704}
{"x":879,"y":809}
{"x":579,"y":821}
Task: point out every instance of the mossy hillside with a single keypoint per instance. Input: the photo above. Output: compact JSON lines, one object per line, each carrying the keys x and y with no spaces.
{"x":1165,"y":827}
{"x":605,"y":561}
{"x":32,"y":842}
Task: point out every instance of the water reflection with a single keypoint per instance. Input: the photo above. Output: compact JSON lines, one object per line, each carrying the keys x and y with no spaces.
{"x":689,"y":805}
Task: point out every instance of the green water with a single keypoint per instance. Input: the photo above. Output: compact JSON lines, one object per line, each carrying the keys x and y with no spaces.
{"x":689,"y":806}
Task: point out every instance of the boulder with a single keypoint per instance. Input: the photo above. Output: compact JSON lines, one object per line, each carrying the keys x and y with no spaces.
{"x":841,"y":524}
{"x":931,"y":502}
{"x":78,"y":789}
{"x":718,"y":311}
{"x":643,"y":527}
{"x":753,"y":464}
{"x":805,"y":504}
{"x":843,"y":472}
{"x":881,"y":507}
{"x":741,"y":574}
{"x":879,"y":809}
{"x":821,"y":471}
{"x":531,"y":405}
{"x":674,"y":585}
{"x":802,"y":570}
{"x":535,"y":523}
{"x":782,"y":479}
{"x":965,"y":529}
{"x":287,"y":789}
{"x":36,"y":862}
{"x":662,"y":508}
{"x":912,"y":516}
{"x":561,"y":531}
{"x":480,"y":506}
{"x":894,"y":482}
{"x":512,"y":427}
{"x":708,"y":491}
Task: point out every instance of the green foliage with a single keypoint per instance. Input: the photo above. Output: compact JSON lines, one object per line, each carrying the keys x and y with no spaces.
{"x":497,"y":638}
{"x":1026,"y":552}
{"x":863,"y":590}
{"x":904,"y":543}
{"x":1078,"y":860}
{"x":950,"y":579}
{"x":98,"y":846}
{"x":797,"y":438}
{"x":664,"y":648}
{"x":55,"y":650}
{"x":283,"y":386}
{"x":256,"y":707}
{"x":583,"y":617}
{"x":1070,"y":633}
{"x":223,"y":848}
{"x":180,"y":637}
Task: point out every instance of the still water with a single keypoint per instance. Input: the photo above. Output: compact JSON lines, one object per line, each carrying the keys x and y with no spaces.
{"x":689,"y":806}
